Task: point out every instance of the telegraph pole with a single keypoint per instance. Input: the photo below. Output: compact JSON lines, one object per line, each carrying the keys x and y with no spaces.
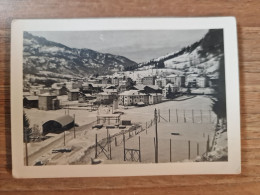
{"x":156,"y":136}
{"x":74,"y":127}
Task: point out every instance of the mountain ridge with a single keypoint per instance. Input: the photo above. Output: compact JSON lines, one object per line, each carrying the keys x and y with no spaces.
{"x":43,"y":55}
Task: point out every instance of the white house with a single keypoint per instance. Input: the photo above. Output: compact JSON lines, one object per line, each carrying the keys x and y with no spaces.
{"x":132,"y":97}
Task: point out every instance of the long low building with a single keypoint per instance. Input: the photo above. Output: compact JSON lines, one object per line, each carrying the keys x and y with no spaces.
{"x":58,"y":125}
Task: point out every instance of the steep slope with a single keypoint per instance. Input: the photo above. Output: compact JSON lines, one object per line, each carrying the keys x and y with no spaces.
{"x":46,"y":57}
{"x":201,"y":57}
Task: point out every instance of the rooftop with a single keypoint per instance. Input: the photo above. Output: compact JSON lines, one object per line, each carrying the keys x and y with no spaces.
{"x":132,"y":92}
{"x":32,"y":97}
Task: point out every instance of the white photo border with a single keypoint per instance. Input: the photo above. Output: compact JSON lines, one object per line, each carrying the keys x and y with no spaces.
{"x":228,"y":24}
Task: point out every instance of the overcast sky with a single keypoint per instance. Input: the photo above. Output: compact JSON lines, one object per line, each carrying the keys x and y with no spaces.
{"x":136,"y":45}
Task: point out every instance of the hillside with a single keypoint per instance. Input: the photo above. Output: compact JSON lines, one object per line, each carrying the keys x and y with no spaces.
{"x":201,"y":57}
{"x":43,"y":57}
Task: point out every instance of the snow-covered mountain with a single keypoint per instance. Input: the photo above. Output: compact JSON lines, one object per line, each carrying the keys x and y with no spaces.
{"x":201,"y":57}
{"x":44,"y":57}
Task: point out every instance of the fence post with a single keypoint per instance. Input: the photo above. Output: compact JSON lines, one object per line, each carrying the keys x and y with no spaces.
{"x":170,"y":150}
{"x":177,"y":115}
{"x":124,"y":145}
{"x":64,"y":138}
{"x":107,"y":140}
{"x":189,"y":149}
{"x":139,"y":149}
{"x":96,"y":147}
{"x":198,"y":149}
{"x":159,"y":116}
{"x":154,"y":149}
{"x":184,"y":117}
{"x":110,"y":155}
{"x":169,"y":115}
{"x":208,"y":144}
{"x":74,"y":127}
{"x":146,"y":127}
{"x":156,"y":134}
{"x":115,"y":141}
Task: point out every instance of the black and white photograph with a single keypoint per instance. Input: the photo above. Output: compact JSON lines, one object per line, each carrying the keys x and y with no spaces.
{"x":137,"y":96}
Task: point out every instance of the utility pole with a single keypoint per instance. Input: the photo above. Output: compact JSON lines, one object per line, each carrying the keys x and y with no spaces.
{"x":74,"y":127}
{"x":64,"y":139}
{"x":156,"y":136}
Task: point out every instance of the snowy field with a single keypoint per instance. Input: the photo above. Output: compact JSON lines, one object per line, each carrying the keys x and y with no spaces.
{"x":196,"y":132}
{"x":192,"y":119}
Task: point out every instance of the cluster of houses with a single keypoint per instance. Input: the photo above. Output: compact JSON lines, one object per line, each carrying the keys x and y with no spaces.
{"x":106,"y":89}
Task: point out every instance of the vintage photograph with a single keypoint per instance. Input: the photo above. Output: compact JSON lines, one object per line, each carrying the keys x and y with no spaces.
{"x":124,"y":97}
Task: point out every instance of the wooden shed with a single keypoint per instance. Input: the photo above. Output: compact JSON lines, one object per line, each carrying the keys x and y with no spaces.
{"x":30,"y":101}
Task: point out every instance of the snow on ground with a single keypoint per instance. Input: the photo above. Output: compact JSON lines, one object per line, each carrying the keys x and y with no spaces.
{"x":219,"y":151}
{"x":195,"y":123}
{"x":145,"y":71}
{"x":196,"y":132}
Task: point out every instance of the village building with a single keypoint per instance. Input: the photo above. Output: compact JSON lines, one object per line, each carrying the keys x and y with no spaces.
{"x":190,"y":80}
{"x":48,"y":101}
{"x":85,"y":88}
{"x":96,"y":88}
{"x":155,"y":98}
{"x":121,"y":88}
{"x":105,"y":98}
{"x":149,"y":80}
{"x":58,"y":125}
{"x":169,"y":88}
{"x":133,"y":97}
{"x":139,"y":81}
{"x":115,"y":81}
{"x":147,"y":88}
{"x":59,"y":89}
{"x":177,"y":80}
{"x":73,"y":94}
{"x":85,"y":97}
{"x":46,"y":90}
{"x":111,"y":89}
{"x":161,"y":82}
{"x":213,"y":80}
{"x":202,"y":82}
{"x":37,"y":89}
{"x":103,"y":80}
{"x":30,"y":101}
{"x":74,"y":85}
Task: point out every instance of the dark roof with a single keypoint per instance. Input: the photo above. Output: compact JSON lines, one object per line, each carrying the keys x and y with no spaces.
{"x":63,"y":120}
